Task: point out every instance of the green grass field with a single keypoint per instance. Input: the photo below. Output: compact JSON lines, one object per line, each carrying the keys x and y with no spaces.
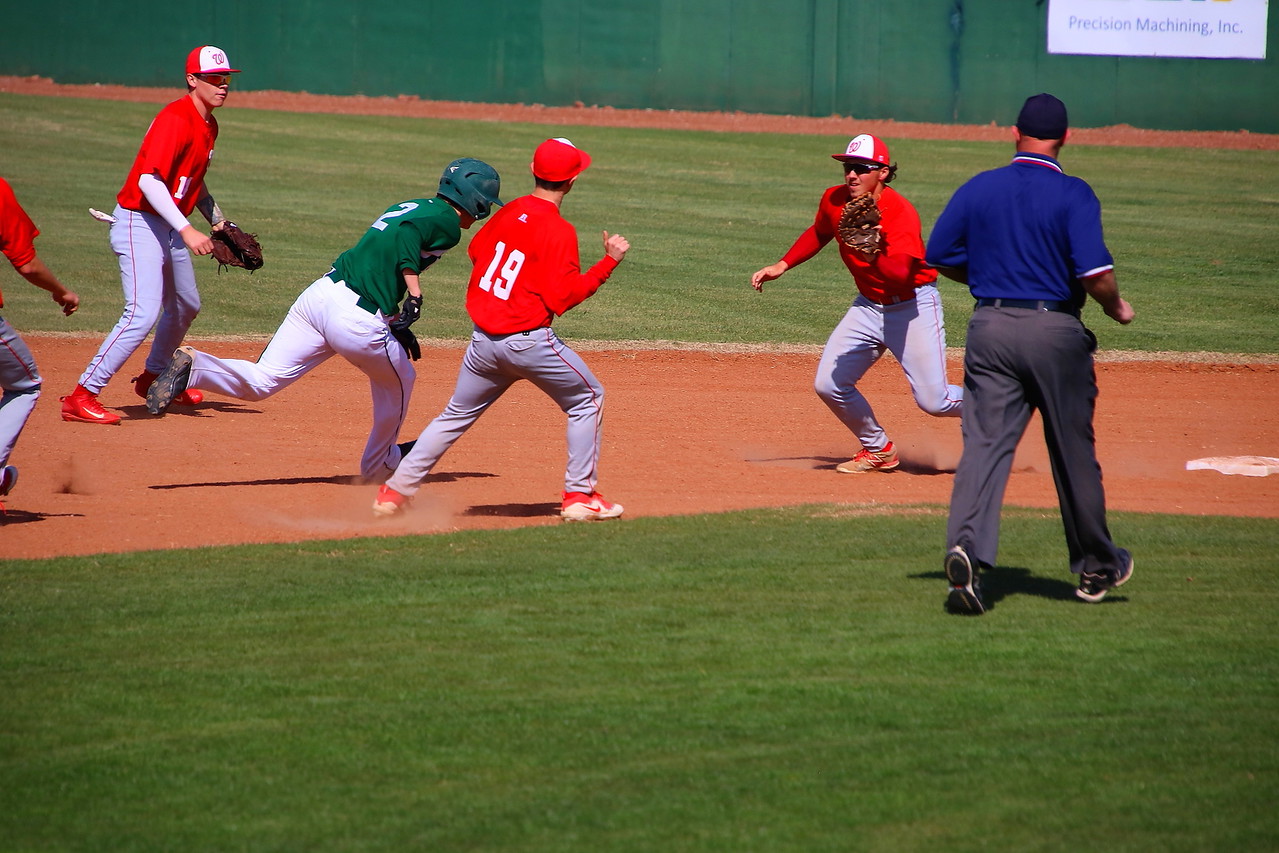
{"x":758,"y":681}
{"x":775,"y":681}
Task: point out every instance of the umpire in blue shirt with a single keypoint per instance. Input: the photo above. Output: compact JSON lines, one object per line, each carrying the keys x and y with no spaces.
{"x":1027,"y":240}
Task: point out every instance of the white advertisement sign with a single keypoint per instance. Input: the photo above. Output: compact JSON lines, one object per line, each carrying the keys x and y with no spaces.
{"x":1210,"y":29}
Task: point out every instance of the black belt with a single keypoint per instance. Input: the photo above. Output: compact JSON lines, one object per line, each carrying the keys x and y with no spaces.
{"x":1033,"y":304}
{"x":892,"y":300}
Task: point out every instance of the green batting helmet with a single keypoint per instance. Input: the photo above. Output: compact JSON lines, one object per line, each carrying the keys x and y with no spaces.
{"x":472,"y":185}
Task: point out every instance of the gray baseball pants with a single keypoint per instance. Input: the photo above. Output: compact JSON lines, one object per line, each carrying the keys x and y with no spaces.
{"x":21,"y":384}
{"x":492,"y":364}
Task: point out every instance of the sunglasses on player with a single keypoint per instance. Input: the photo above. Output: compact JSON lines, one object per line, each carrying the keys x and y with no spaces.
{"x":214,"y":79}
{"x":862,"y":168}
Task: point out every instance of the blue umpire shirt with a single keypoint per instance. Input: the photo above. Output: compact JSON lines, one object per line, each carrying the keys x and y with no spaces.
{"x":1024,"y":231}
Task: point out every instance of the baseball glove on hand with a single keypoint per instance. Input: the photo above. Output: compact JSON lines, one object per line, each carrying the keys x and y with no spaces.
{"x":856,"y":228}
{"x":233,"y":247}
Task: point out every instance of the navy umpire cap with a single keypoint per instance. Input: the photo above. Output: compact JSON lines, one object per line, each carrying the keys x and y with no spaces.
{"x":1043,"y":116}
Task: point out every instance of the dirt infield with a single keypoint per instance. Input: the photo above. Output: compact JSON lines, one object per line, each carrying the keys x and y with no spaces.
{"x":688,"y":430}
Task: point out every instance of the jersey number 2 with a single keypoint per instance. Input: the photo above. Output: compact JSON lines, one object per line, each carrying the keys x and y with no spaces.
{"x":500,"y":276}
{"x":404,"y":207}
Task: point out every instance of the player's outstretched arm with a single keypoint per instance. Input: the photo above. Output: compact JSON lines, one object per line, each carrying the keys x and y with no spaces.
{"x":42,"y":277}
{"x":768,"y":273}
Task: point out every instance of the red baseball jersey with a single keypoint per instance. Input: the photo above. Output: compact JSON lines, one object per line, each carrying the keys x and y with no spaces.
{"x":897,"y":271}
{"x":525,"y":268}
{"x":17,"y":231}
{"x":177,"y":147}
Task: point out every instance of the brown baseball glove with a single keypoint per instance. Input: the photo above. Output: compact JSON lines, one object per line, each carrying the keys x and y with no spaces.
{"x":856,"y":228}
{"x":234,"y":247}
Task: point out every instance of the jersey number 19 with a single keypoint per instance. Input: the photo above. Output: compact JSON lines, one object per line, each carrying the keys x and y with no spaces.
{"x":500,"y":276}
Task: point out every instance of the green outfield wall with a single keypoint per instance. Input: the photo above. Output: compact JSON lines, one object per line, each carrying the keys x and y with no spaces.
{"x":958,"y":61}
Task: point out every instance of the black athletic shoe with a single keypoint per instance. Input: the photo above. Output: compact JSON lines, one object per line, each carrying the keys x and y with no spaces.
{"x":170,"y":383}
{"x":965,"y":589}
{"x":1093,"y":586}
{"x":405,"y":447}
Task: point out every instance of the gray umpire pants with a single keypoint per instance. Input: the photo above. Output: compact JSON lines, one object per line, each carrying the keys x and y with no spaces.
{"x":1018,"y":361}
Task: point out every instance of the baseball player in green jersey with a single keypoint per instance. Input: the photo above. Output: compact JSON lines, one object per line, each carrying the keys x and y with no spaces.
{"x":354,"y":311}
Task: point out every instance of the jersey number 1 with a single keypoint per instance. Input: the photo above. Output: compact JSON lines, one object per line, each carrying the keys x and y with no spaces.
{"x":500,"y":276}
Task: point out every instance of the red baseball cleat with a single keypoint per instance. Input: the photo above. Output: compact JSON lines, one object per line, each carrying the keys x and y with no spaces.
{"x":81,"y":405}
{"x":389,"y":502}
{"x":871,"y":460}
{"x":578,"y":506}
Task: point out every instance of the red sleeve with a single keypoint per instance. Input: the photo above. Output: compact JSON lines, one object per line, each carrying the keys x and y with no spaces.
{"x":806,"y":246}
{"x":821,"y":232}
{"x":17,"y":231}
{"x":568,"y":286}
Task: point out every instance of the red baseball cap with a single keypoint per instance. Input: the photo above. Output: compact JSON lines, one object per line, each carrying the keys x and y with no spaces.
{"x":209,"y":60}
{"x":558,"y":160}
{"x":866,"y":148}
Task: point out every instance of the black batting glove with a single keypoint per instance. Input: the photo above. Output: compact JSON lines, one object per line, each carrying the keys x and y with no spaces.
{"x":408,"y":340}
{"x":411,"y":311}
